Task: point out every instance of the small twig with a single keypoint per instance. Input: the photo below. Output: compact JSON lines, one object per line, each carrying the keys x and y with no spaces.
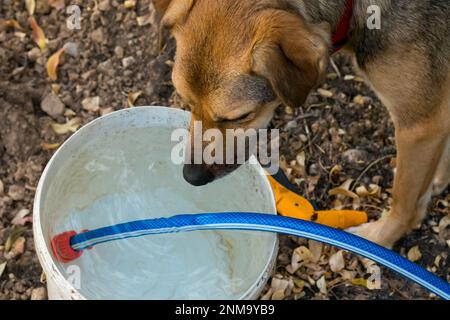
{"x":370,"y":166}
{"x":305,"y":116}
{"x":320,"y":149}
{"x":335,"y":68}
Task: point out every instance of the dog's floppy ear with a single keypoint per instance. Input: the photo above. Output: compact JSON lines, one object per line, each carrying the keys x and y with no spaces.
{"x":290,"y":54}
{"x":172,"y":12}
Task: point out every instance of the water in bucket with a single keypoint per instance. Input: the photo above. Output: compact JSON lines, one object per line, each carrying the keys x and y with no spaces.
{"x":128,"y":176}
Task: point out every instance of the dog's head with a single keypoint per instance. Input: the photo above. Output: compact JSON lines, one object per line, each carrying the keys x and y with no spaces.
{"x":236,"y":61}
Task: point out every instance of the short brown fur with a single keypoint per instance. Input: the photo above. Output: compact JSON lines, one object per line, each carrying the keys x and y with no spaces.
{"x":238,"y":60}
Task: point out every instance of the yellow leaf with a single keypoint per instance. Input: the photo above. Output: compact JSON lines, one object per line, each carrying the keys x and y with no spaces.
{"x":360,"y":282}
{"x":69,"y":113}
{"x":414,"y":254}
{"x":43,"y":277}
{"x":49,"y":146}
{"x":38,"y":35}
{"x":52,"y":64}
{"x":132,"y":97}
{"x":334,"y":173}
{"x":70,"y":126}
{"x":31,"y":5}
{"x":128,"y":4}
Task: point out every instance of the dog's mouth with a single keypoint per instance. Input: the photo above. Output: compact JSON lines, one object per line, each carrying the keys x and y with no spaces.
{"x":200,"y":175}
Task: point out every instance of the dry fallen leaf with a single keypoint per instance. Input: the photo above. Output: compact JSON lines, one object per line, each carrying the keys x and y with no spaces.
{"x":360,"y":282}
{"x":373,"y":191}
{"x":300,"y":256}
{"x":2,"y":268}
{"x":38,"y":34}
{"x":316,"y":250}
{"x":56,"y":88}
{"x":18,"y":247}
{"x":43,"y":277}
{"x":325,"y":93}
{"x":334,"y":174}
{"x":31,"y":5}
{"x":128,"y":4}
{"x":280,"y":285}
{"x":348,"y":275}
{"x":414,"y":254}
{"x":303,"y":254}
{"x":278,"y":295}
{"x":359,"y":100}
{"x":57,"y":4}
{"x":344,"y":191}
{"x":337,"y":262}
{"x":349,"y":77}
{"x":322,"y":285}
{"x":443,"y":229}
{"x":22,"y":217}
{"x":70,"y":126}
{"x":10,"y":23}
{"x":144,"y":20}
{"x":52,"y":64}
{"x":49,"y":146}
{"x":437,"y":261}
{"x":91,"y":104}
{"x":16,"y":233}
{"x":69,"y":113}
{"x":132,"y":97}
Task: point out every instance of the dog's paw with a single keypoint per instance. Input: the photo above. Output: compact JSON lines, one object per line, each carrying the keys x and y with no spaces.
{"x":378,"y":232}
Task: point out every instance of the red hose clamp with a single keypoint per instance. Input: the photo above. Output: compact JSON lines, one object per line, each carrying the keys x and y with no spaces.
{"x":61,"y":248}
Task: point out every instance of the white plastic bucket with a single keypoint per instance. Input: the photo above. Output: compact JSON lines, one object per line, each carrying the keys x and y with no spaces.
{"x":61,"y":194}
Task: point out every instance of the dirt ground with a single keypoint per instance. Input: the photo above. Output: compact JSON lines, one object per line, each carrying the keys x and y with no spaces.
{"x":343,"y":135}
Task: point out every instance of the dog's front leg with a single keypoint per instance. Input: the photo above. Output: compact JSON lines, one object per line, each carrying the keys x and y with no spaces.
{"x":419,"y":150}
{"x":442,"y":177}
{"x":420,"y":109}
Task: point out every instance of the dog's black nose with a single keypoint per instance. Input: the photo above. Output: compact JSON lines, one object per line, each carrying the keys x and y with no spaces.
{"x":197,"y":174}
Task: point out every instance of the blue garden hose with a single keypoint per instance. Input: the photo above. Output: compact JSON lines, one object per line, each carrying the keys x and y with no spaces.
{"x":71,"y":244}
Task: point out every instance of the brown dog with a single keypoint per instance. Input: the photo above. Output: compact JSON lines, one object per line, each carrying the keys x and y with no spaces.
{"x":237,"y":61}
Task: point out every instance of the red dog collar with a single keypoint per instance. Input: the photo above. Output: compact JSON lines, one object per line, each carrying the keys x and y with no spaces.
{"x":340,"y":35}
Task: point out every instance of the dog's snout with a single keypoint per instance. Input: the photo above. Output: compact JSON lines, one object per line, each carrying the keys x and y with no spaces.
{"x":197,"y":174}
